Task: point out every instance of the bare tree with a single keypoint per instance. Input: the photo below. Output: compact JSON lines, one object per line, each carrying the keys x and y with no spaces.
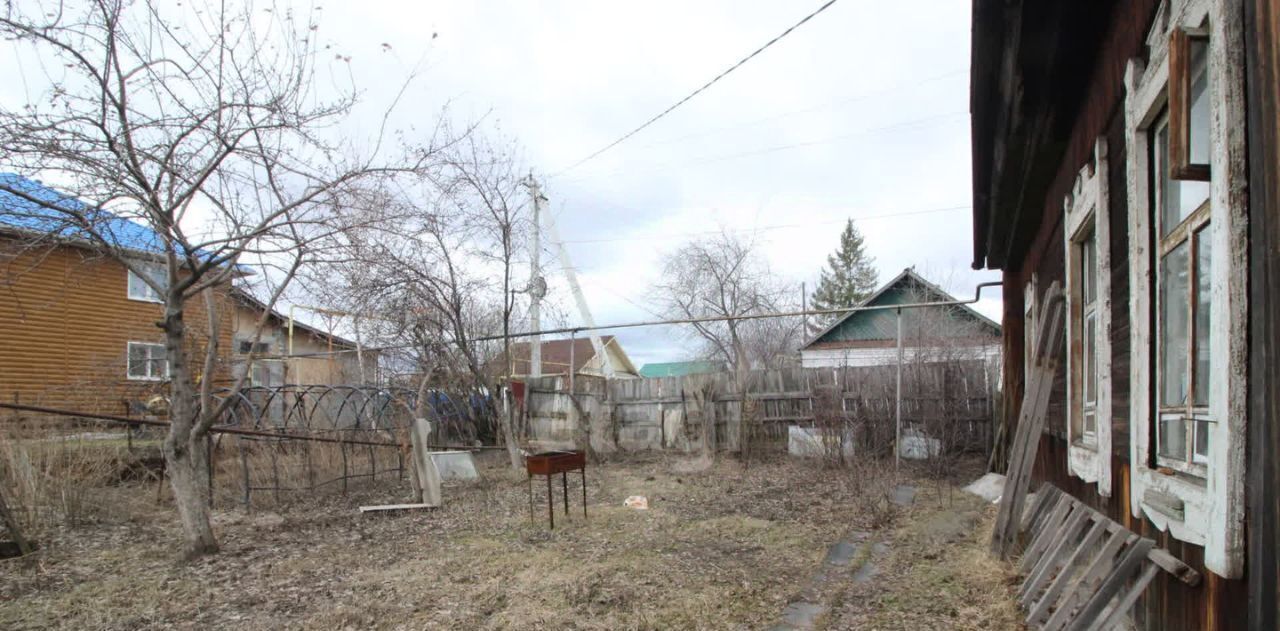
{"x":723,"y":276}
{"x":489,"y":182}
{"x":436,"y":268}
{"x":945,"y":373}
{"x":201,"y":124}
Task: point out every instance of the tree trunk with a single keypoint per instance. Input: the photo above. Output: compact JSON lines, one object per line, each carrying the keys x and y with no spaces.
{"x":186,"y":458}
{"x":188,"y":475}
{"x":508,"y":432}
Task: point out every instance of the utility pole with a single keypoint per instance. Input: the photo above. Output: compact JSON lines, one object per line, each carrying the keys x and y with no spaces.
{"x":537,"y":284}
{"x":804,"y":306}
{"x":897,"y":405}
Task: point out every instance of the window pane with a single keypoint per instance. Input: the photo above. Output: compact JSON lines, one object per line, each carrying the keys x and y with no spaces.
{"x":137,"y":360}
{"x":1089,"y":265}
{"x":1204,"y":293}
{"x":1202,"y":441}
{"x":1173,"y":326}
{"x":1173,"y":436}
{"x":1199,"y":132}
{"x":1090,"y":358}
{"x":1178,"y":198}
{"x":1090,"y":423}
{"x":159,"y":362}
{"x":158,"y":275}
{"x":139,"y":289}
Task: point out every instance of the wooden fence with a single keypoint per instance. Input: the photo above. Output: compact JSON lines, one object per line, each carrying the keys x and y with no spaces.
{"x":955,"y":398}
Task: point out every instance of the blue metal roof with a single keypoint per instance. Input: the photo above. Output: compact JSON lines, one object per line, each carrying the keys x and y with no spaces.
{"x":28,"y":205}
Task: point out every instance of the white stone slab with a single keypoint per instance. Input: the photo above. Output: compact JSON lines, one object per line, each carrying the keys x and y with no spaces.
{"x":989,"y":487}
{"x":455,"y":465}
{"x":809,"y":442}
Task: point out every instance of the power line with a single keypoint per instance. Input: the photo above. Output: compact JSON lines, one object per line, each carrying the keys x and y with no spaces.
{"x":660,"y":167}
{"x":699,"y":90}
{"x":813,"y":108}
{"x":669,"y":235}
{"x":915,"y":123}
{"x":619,"y":294}
{"x":573,"y":330}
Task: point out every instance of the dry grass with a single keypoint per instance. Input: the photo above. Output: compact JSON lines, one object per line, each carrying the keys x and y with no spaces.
{"x":722,"y":547}
{"x":719,"y":548}
{"x":69,"y":476}
{"x":55,"y":480}
{"x":937,"y":575}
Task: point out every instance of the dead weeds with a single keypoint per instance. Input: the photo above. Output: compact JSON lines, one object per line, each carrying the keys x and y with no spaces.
{"x":938,"y":573}
{"x":722,"y":547}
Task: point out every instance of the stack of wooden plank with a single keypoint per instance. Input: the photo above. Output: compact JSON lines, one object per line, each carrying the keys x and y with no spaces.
{"x":1046,"y":356}
{"x":1083,"y":570}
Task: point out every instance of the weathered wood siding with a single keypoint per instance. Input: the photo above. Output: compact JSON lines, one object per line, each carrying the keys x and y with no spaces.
{"x":65,"y":323}
{"x":1168,"y":604}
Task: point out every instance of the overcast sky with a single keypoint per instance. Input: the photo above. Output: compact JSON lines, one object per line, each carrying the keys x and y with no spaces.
{"x":861,"y":112}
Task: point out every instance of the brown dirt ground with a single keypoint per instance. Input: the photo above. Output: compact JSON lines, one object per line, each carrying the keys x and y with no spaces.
{"x":721,"y":548}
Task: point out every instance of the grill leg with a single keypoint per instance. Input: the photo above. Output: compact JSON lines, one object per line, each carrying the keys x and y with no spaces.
{"x":564,"y":486}
{"x":551,"y":505}
{"x":584,"y":493}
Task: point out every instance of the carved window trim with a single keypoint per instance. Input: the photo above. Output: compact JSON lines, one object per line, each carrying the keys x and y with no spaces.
{"x":1209,"y":510}
{"x":1087,"y":218}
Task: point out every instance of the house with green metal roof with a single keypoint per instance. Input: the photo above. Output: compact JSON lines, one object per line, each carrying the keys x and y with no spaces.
{"x":680,"y":369}
{"x":869,"y":337}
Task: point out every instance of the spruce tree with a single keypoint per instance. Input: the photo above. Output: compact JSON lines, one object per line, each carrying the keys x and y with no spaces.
{"x":850,"y":276}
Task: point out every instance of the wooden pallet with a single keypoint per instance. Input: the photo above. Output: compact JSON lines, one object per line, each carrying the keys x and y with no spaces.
{"x":1083,"y":570}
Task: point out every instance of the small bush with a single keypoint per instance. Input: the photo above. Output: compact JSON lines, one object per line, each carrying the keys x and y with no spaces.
{"x":55,"y":478}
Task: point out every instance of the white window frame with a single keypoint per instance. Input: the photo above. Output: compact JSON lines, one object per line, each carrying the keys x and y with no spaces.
{"x":1168,"y":239}
{"x":1209,"y":510}
{"x":128,"y":371}
{"x":1087,"y":213}
{"x":147,"y":293}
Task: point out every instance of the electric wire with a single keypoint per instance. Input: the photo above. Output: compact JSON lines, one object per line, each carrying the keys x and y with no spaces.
{"x":699,"y":90}
{"x":808,"y":110}
{"x":915,"y":123}
{"x":669,"y":235}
